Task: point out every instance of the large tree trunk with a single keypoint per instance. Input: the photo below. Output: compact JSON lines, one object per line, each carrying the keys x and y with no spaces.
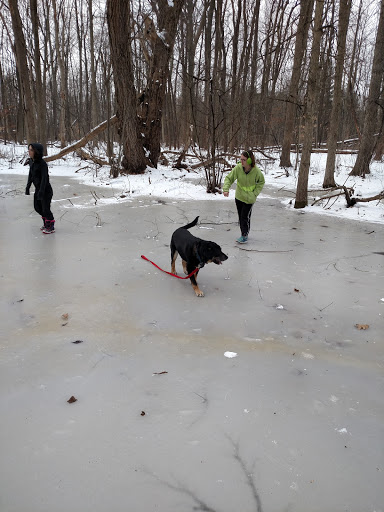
{"x":310,"y":114}
{"x":344,"y":12}
{"x":63,"y":86}
{"x":305,"y":18}
{"x":367,"y":145}
{"x":253,"y":71}
{"x":40,"y":91}
{"x":161,"y":43}
{"x":21,"y":59}
{"x":119,"y":27}
{"x":94,"y":109}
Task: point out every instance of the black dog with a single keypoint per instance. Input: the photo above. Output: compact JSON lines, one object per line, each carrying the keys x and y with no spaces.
{"x":194,"y":252}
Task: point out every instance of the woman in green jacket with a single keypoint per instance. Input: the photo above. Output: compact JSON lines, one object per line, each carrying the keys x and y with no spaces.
{"x":250,"y":181}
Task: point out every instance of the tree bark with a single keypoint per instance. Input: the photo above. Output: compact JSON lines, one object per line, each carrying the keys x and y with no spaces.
{"x":310,"y":114}
{"x":40,"y":92}
{"x":161,"y":40}
{"x":120,"y":29}
{"x":305,"y":18}
{"x":5,"y":101}
{"x":344,"y":12}
{"x":94,"y":109}
{"x":63,"y":87}
{"x":21,"y":59}
{"x":367,"y":146}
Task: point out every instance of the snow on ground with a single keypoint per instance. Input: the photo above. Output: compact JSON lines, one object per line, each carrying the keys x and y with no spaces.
{"x":166,"y":182}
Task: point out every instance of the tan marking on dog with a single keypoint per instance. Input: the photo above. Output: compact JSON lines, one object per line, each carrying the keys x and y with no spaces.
{"x":185,"y":267}
{"x":197,"y":290}
{"x":173,"y":266}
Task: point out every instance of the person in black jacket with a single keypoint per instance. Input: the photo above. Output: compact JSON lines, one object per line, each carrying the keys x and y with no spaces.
{"x":38,"y":175}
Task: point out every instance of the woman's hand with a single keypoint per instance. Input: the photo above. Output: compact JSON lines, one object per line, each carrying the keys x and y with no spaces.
{"x":225,"y":194}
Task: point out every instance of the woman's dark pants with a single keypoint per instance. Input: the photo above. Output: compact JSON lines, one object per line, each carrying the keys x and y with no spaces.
{"x":43,"y":206}
{"x":244,"y":211}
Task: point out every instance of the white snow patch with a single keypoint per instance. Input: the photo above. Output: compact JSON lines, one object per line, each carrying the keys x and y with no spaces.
{"x":230,"y":354}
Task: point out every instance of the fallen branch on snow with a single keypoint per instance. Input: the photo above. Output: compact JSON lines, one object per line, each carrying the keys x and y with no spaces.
{"x":82,"y":142}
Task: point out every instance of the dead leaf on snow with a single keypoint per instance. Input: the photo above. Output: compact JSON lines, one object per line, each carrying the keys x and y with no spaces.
{"x":64,"y":316}
{"x":142,"y":413}
{"x":72,"y":400}
{"x":362,"y":327}
{"x":77,"y":342}
{"x":158,"y":373}
{"x":296,"y":290}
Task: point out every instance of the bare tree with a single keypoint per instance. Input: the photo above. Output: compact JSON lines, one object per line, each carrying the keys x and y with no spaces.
{"x":310,"y":114}
{"x":120,"y":33}
{"x":305,"y":19}
{"x":94,"y":116}
{"x":367,"y":145}
{"x":63,"y":76}
{"x":344,"y":12}
{"x":40,"y":90}
{"x":21,"y":59}
{"x":160,"y":37}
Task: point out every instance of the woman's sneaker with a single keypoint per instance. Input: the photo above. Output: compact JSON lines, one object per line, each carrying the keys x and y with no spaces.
{"x":242,"y":240}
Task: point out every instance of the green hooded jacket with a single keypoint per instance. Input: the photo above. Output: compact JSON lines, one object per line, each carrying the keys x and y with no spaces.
{"x":249,"y":185}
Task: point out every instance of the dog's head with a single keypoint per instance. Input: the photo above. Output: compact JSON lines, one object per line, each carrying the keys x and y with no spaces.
{"x":210,"y":252}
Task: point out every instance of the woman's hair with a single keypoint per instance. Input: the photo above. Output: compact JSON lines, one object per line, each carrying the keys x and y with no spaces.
{"x":249,"y":154}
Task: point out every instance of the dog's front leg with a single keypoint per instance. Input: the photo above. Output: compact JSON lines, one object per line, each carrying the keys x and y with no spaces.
{"x":195,"y":286}
{"x":185,"y":267}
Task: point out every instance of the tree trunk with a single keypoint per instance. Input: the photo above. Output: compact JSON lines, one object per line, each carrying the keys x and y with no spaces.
{"x":379,"y":150}
{"x":161,"y":39}
{"x":21,"y":59}
{"x":344,"y":12}
{"x":4,"y":100}
{"x":305,"y":18}
{"x":63,"y":91}
{"x":249,"y":135}
{"x":310,"y":114}
{"x":367,"y":145}
{"x":79,"y":32}
{"x":40,"y":92}
{"x":119,"y":27}
{"x":93,"y":68}
{"x":324,"y":105}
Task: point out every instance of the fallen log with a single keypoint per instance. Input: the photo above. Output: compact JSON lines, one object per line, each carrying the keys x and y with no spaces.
{"x":351,"y":201}
{"x":87,"y":156}
{"x":377,"y":197}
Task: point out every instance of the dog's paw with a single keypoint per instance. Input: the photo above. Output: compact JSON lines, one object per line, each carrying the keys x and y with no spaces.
{"x":199,"y":293}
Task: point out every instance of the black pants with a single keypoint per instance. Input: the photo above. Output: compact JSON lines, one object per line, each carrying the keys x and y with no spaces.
{"x":244,"y":211}
{"x":43,"y":206}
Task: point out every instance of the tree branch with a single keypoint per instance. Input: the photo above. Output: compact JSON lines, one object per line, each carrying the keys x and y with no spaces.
{"x":82,"y":142}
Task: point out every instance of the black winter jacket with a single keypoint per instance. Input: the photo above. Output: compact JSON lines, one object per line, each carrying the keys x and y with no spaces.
{"x":38,"y":173}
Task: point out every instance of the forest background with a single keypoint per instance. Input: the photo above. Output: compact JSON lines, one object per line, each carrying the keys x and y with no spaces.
{"x":207,"y":77}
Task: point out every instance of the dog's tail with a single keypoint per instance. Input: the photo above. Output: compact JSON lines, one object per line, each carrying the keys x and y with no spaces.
{"x":191,"y":224}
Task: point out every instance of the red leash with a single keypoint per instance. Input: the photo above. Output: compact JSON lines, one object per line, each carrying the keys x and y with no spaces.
{"x":170,"y":273}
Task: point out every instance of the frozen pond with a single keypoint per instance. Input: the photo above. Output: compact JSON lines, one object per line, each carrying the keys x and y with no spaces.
{"x":163,"y":419}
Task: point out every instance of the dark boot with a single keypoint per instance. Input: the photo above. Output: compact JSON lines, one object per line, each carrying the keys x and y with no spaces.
{"x":49,"y":227}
